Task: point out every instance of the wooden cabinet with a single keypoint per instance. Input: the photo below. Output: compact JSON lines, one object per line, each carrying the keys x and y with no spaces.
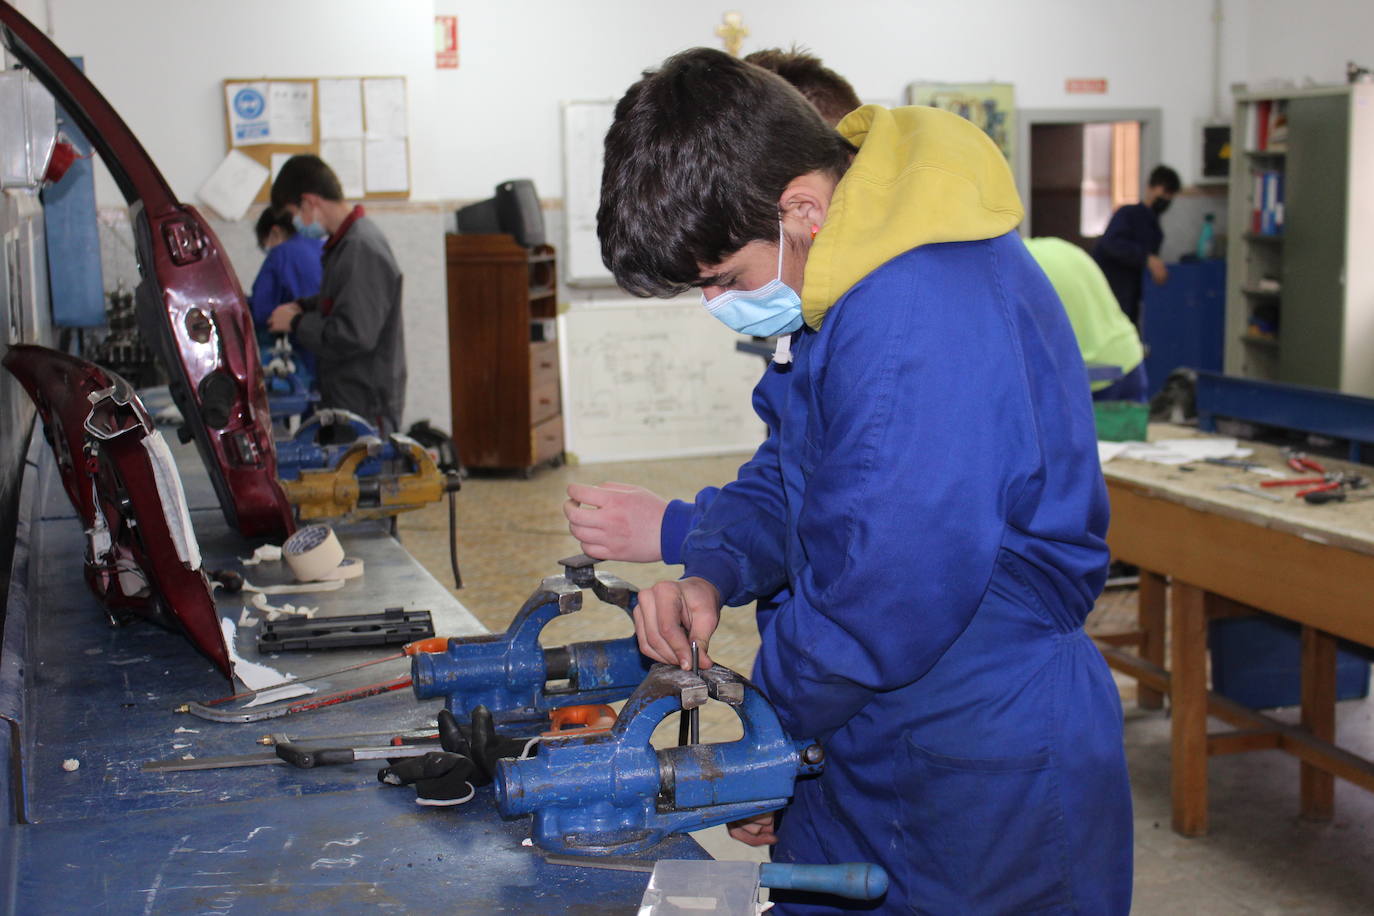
{"x":503,"y":362}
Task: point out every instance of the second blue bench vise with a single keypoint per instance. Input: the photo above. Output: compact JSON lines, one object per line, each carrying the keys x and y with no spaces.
{"x":516,"y":678}
{"x":613,"y":793}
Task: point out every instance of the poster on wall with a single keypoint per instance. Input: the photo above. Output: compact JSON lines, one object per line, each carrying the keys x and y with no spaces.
{"x":989,"y":105}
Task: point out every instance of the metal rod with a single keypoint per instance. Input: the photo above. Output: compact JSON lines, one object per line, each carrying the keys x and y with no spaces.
{"x":695,"y":716}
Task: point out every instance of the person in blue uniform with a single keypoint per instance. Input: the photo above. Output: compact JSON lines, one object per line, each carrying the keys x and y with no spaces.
{"x":1130,"y":244}
{"x":929,"y":492}
{"x":291,"y":270}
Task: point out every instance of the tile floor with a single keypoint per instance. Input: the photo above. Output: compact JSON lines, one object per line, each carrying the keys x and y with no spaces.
{"x":1260,"y":857}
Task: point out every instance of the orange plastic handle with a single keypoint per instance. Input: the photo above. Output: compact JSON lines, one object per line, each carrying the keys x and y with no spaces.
{"x":594,"y":718}
{"x":433,"y":644}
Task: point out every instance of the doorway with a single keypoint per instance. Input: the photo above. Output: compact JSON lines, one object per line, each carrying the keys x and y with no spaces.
{"x":1080,"y":165}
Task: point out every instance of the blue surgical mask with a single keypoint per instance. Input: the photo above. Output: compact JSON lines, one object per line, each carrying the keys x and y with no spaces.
{"x":309,"y":230}
{"x":774,"y":308}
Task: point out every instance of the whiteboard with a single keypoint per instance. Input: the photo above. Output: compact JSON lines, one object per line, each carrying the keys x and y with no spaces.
{"x":647,"y":379}
{"x":584,"y":133}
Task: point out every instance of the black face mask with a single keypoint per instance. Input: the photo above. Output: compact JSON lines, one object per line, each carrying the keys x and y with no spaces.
{"x":1160,"y":205}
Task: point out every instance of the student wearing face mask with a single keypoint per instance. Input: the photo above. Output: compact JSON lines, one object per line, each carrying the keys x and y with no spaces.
{"x":290,"y":270}
{"x":930,"y":494}
{"x":1131,"y":243}
{"x":353,"y":326}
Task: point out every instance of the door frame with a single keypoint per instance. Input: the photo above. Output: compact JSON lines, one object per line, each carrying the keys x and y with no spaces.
{"x":1151,"y":121}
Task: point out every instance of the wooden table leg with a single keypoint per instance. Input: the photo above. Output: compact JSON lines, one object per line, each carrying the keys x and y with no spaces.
{"x":1152,"y":628}
{"x":1319,"y":718}
{"x":1188,"y":697}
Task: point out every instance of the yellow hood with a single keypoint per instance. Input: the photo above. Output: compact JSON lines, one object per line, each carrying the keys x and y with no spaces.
{"x":921,"y":176}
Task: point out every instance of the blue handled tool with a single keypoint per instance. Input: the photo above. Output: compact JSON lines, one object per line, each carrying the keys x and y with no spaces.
{"x":510,"y":673}
{"x":613,"y":793}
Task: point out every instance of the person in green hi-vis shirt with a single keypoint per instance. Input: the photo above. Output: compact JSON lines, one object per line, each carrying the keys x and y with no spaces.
{"x":1105,"y":335}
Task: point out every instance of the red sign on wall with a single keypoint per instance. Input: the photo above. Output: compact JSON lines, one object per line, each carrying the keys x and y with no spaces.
{"x":1088,"y":87}
{"x":446,"y":42}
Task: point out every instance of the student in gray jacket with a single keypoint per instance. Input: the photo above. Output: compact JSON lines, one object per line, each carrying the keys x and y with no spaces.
{"x":353,"y":326}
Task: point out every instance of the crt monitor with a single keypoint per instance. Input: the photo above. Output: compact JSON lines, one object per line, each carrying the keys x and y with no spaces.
{"x":513,"y":209}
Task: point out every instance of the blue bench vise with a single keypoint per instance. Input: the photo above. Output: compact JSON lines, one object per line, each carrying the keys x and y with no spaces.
{"x":305,"y":451}
{"x":613,"y":793}
{"x":510,"y":673}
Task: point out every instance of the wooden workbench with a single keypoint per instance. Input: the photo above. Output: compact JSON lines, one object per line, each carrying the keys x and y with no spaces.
{"x":1208,"y":552}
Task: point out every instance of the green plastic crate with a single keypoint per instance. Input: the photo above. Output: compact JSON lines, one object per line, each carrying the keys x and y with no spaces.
{"x":1121,"y":421}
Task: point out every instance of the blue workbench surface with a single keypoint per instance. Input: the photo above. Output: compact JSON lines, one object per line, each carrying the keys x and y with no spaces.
{"x":109,"y":837}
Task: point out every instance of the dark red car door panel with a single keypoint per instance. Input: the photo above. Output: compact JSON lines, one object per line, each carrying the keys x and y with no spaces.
{"x":191,"y":308}
{"x":141,"y":554}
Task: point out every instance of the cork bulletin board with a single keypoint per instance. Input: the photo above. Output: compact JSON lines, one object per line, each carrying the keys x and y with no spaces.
{"x":358,"y":125}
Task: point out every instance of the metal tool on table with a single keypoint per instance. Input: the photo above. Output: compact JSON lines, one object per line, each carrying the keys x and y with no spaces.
{"x":684,"y":887}
{"x":613,"y":793}
{"x":1251,"y":466}
{"x":1322,"y":497}
{"x":392,"y":626}
{"x":510,"y":672}
{"x":292,"y":754}
{"x":1253,"y":491}
{"x":210,"y":709}
{"x":1332,"y":480}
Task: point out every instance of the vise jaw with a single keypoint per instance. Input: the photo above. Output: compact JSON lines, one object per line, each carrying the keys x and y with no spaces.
{"x":509,"y":672}
{"x":613,"y":793}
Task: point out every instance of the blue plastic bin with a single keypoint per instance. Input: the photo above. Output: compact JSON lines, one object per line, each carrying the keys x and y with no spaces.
{"x":1257,"y":661}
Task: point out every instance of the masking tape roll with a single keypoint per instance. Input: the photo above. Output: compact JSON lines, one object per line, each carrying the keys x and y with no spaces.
{"x":350,"y":568}
{"x":313,"y":552}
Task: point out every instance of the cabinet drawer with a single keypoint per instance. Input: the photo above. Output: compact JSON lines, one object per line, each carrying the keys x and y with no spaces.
{"x":546,"y":440}
{"x":543,"y":363}
{"x":544,"y":401}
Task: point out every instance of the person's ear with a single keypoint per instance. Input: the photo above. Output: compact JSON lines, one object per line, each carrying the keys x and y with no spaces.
{"x":805,"y":202}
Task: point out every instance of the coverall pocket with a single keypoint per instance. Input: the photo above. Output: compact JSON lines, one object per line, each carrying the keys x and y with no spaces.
{"x":983,"y":835}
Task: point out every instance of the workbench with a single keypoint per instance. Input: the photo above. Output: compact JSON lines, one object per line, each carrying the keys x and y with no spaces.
{"x":1207,"y":552}
{"x":108,"y":837}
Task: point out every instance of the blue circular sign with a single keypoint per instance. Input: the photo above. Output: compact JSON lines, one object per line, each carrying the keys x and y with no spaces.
{"x":249,"y":103}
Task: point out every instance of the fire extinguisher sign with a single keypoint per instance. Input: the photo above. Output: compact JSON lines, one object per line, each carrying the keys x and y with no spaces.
{"x":446,"y":42}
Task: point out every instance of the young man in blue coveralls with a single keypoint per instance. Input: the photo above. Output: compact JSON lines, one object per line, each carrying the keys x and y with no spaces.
{"x":290,"y":271}
{"x":929,"y":492}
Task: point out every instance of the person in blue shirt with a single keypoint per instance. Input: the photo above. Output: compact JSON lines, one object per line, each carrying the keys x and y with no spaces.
{"x":291,"y":270}
{"x":929,"y":492}
{"x":1130,"y":244}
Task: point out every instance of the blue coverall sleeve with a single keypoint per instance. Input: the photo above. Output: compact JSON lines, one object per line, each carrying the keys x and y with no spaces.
{"x":267,"y":290}
{"x":680,"y":517}
{"x":922,"y":436}
{"x":1121,"y":242}
{"x":737,"y":540}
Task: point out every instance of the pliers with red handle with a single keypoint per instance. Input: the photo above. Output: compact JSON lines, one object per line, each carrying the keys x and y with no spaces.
{"x":1299,"y":462}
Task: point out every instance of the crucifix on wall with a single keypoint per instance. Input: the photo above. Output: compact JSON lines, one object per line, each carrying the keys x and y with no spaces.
{"x":732,"y":32}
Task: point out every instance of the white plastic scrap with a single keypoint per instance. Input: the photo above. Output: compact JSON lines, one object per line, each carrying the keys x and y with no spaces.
{"x":71,"y":764}
{"x":267,"y":553}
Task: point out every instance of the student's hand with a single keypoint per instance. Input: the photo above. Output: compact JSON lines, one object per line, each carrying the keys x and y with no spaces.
{"x":616,"y":521}
{"x":1157,"y":269}
{"x":279,"y":322}
{"x":672,"y":614}
{"x":756,"y":830}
